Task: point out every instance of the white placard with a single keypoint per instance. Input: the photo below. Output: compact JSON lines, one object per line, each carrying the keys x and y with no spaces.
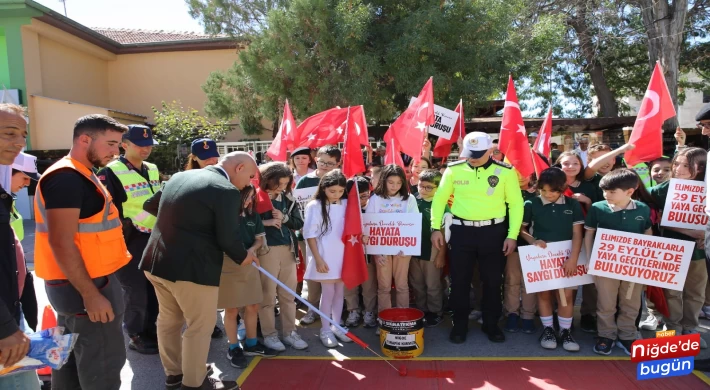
{"x":303,"y":196}
{"x":639,"y":258}
{"x":685,"y":205}
{"x":389,"y":234}
{"x":444,"y":121}
{"x":543,"y":271}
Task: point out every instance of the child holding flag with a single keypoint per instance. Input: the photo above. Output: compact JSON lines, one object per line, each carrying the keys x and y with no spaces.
{"x":323,"y":231}
{"x":553,"y":217}
{"x":618,"y":212}
{"x":685,"y":306}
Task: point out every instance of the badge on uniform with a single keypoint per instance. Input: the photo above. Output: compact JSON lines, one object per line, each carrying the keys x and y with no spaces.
{"x":493,"y":181}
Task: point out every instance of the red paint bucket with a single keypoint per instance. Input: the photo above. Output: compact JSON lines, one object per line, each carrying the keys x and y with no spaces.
{"x":401,"y":332}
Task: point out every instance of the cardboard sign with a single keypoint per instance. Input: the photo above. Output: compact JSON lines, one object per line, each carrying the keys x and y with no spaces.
{"x":543,"y":271}
{"x":685,"y":205}
{"x":391,"y":233}
{"x":444,"y":121}
{"x":303,"y":196}
{"x":639,"y":258}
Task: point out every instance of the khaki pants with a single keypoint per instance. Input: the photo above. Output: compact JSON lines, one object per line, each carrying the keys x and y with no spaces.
{"x":313,"y":287}
{"x":514,"y":287}
{"x":397,"y":267}
{"x":589,"y":300}
{"x":684,"y":306}
{"x":608,"y":290}
{"x":426,"y":283}
{"x":180,"y":303}
{"x":369,"y":292}
{"x":279,"y":262}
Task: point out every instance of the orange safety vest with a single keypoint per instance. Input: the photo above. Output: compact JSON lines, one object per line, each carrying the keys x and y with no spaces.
{"x":99,"y":238}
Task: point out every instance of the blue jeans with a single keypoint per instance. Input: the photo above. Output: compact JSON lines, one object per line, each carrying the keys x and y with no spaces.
{"x":27,"y":380}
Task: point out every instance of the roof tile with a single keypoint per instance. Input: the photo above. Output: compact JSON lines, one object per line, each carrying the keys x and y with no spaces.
{"x":133,"y":36}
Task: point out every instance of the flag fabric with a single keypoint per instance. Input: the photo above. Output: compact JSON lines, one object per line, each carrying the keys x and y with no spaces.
{"x":323,"y":128}
{"x":542,"y":143}
{"x":647,"y":135}
{"x":392,"y":153}
{"x":263,"y":202}
{"x":410,"y":129}
{"x":354,"y":271}
{"x":285,"y":138}
{"x":513,"y":141}
{"x":357,"y":117}
{"x":353,"y":162}
{"x":539,"y":163}
{"x":442,"y":149}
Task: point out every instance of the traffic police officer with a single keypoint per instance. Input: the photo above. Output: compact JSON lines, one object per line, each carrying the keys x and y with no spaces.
{"x":481,"y":188}
{"x":131,"y":181}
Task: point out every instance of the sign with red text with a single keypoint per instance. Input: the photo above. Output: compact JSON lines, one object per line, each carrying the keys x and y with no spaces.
{"x":444,"y":121}
{"x":388,"y":234}
{"x":543,"y":268}
{"x":639,"y":258}
{"x":685,"y":205}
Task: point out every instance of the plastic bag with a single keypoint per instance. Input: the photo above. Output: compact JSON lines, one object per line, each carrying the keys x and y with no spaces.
{"x":48,"y":348}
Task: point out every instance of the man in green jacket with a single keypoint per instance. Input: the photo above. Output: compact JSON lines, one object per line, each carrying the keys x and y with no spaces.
{"x":197,"y":223}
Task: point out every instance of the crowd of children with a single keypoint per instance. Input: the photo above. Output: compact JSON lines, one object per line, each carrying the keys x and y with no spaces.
{"x":569,"y":201}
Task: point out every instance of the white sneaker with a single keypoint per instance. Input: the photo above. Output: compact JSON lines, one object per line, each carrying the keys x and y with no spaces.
{"x":705,"y":312}
{"x":241,"y":331}
{"x":650,"y":323}
{"x":353,"y":319}
{"x":370,"y":320}
{"x":377,"y":332}
{"x":295,"y":341}
{"x":309,"y":318}
{"x":474,"y":315}
{"x":328,"y":339}
{"x":341,"y":336}
{"x":274,"y":343}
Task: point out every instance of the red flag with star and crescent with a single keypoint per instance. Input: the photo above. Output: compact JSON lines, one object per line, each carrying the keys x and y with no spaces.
{"x":392,"y":152}
{"x":542,"y":144}
{"x":410,"y":129}
{"x":513,"y":141}
{"x":443,"y":146}
{"x":353,"y":162}
{"x":647,"y":135}
{"x":323,"y":128}
{"x":354,"y":271}
{"x":285,"y":138}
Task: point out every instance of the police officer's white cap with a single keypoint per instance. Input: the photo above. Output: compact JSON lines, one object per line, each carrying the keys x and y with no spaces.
{"x":476,"y":144}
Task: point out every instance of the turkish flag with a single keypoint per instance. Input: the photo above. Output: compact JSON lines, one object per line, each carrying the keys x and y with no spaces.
{"x":540,"y":164}
{"x":354,"y":271}
{"x":656,"y":107}
{"x":443,"y":145}
{"x":357,"y":117}
{"x":353,"y":162}
{"x":392,"y":153}
{"x":323,"y":128}
{"x":263,"y":202}
{"x":542,"y":143}
{"x":513,"y":141}
{"x":286,"y":137}
{"x":410,"y":128}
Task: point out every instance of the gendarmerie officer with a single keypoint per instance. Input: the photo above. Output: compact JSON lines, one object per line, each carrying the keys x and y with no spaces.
{"x":481,"y":188}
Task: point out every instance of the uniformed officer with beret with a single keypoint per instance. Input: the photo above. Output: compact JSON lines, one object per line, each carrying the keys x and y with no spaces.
{"x":483,"y":190}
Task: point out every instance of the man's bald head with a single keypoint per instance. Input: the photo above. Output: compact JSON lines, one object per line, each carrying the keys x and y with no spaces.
{"x":240,"y":166}
{"x":13,"y":132}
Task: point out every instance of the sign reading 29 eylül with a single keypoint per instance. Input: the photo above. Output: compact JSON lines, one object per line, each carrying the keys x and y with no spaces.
{"x":388,"y":234}
{"x":685,"y":205}
{"x":639,"y":258}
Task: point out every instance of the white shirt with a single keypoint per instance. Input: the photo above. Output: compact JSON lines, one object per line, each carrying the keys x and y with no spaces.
{"x":393,"y":204}
{"x":583,"y":155}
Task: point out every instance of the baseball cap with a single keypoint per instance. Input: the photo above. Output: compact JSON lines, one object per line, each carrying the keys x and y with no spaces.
{"x":140,"y":135}
{"x":27,"y":164}
{"x":476,"y":144}
{"x":204,"y":148}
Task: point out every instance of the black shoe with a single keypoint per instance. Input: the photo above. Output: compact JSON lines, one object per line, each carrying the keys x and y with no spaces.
{"x":603,"y":346}
{"x":143,"y":346}
{"x":260,"y":350}
{"x":625,"y":345}
{"x":214,"y":384}
{"x":236,"y":358}
{"x":173,"y":382}
{"x":432,"y":319}
{"x":458,"y":334}
{"x":217,"y":333}
{"x":589,"y":323}
{"x":494,"y":334}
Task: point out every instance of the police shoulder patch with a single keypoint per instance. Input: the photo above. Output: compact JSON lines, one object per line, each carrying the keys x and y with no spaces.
{"x":502,"y":164}
{"x":459,"y":162}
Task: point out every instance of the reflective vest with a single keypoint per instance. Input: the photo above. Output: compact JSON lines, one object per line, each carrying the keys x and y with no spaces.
{"x":138,"y":190}
{"x":644,"y":174}
{"x":16,"y":223}
{"x":99,"y":237}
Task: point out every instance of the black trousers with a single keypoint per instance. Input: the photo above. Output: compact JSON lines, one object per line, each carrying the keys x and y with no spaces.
{"x":138,"y":293}
{"x":469,"y":246}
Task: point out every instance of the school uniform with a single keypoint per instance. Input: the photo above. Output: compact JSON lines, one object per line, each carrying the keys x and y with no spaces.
{"x":589,"y":188}
{"x":635,"y":218}
{"x":313,"y":286}
{"x":424,"y":277}
{"x":513,"y":285}
{"x":369,"y":289}
{"x":329,"y":243}
{"x":684,"y":306}
{"x":239,"y":285}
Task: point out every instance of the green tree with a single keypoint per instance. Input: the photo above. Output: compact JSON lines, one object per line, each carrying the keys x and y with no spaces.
{"x":177,"y":127}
